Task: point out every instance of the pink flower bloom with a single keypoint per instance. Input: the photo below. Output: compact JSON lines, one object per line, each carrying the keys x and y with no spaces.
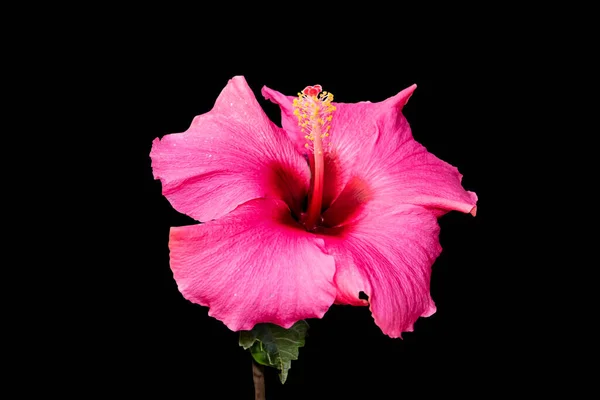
{"x":339,"y":201}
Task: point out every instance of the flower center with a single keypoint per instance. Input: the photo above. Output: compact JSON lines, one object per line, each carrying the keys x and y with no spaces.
{"x":314,"y":111}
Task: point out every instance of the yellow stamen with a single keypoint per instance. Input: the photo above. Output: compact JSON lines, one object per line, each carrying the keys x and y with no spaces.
{"x":314,"y":111}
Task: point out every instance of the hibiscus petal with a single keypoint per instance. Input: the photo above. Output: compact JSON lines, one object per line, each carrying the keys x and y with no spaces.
{"x":254,"y":265}
{"x":373,"y":143}
{"x":389,"y":257}
{"x":289,"y":121}
{"x":228,"y":156}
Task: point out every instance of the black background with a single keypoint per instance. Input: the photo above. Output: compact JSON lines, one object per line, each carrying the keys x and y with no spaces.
{"x":155,"y":341}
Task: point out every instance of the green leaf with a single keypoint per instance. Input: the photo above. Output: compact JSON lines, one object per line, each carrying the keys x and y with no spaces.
{"x":274,"y":346}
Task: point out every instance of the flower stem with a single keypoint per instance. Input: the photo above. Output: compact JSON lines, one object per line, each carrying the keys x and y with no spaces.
{"x":258,"y":375}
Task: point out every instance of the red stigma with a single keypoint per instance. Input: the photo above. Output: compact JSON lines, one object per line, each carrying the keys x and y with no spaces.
{"x":312,"y":90}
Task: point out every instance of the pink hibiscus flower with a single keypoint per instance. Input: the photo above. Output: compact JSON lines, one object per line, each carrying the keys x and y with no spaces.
{"x":339,"y":201}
